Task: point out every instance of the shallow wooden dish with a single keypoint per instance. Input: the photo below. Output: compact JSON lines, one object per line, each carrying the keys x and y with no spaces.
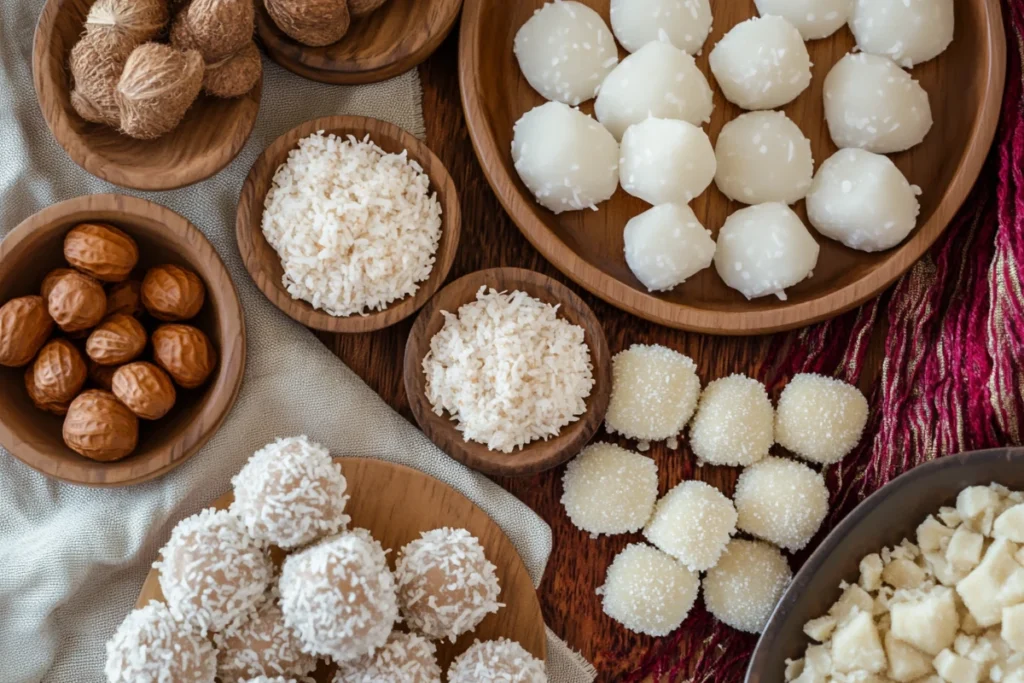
{"x":33,"y":249}
{"x":395,"y":504}
{"x":537,"y":456}
{"x":264,"y":264}
{"x":965,"y":84}
{"x":211,"y":135}
{"x":885,"y":518}
{"x":390,"y":41}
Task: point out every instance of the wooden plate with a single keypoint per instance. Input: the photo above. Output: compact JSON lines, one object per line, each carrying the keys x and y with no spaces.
{"x":396,"y":503}
{"x":537,"y":456}
{"x":211,"y":135}
{"x":390,"y":41}
{"x":264,"y":264}
{"x":965,"y":85}
{"x":33,"y":249}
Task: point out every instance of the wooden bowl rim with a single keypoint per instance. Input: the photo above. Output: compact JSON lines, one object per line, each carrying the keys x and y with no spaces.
{"x":102,"y":167}
{"x":250,"y":207}
{"x":222,"y":398}
{"x":537,"y":456}
{"x":692,"y":318}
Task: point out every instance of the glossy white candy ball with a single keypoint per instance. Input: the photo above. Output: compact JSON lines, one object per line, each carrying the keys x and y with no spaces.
{"x":750,"y":145}
{"x":813,"y":18}
{"x":666,"y":160}
{"x":684,"y":23}
{"x":666,"y":245}
{"x":907,"y":31}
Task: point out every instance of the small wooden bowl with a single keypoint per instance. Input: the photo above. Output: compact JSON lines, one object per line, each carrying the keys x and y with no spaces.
{"x":537,"y":456}
{"x":390,"y":41}
{"x":33,"y":249}
{"x":263,"y":262}
{"x":211,"y":135}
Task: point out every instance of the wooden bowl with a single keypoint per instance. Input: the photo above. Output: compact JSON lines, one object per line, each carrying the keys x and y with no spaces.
{"x":884,"y":519}
{"x":396,"y":504}
{"x":965,"y":85}
{"x":265,"y":265}
{"x":537,"y":456}
{"x":33,"y":249}
{"x":211,"y":135}
{"x":392,"y":40}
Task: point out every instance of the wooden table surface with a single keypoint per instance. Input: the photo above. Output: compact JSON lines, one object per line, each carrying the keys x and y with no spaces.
{"x":489,"y":238}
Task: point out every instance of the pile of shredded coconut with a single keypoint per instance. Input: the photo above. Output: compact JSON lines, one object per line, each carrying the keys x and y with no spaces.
{"x":497,"y":661}
{"x":508,"y":370}
{"x":151,"y":645}
{"x":356,"y":228}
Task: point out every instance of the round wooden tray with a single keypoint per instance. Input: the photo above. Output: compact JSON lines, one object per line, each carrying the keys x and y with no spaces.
{"x":396,"y":503}
{"x":965,"y":85}
{"x":390,"y":41}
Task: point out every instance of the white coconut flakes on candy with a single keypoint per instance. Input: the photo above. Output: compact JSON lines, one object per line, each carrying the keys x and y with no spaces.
{"x":261,"y":646}
{"x":667,"y":245}
{"x":269,"y":679}
{"x":907,"y":31}
{"x":609,"y":490}
{"x":683,"y":23}
{"x":666,"y":160}
{"x":813,"y":18}
{"x":405,"y":658}
{"x":752,"y":141}
{"x":497,"y":661}
{"x":152,"y":645}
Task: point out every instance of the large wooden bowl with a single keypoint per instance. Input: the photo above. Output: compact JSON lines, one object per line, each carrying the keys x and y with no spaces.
{"x":33,"y":249}
{"x":264,"y":264}
{"x":396,"y":504}
{"x":211,"y":135}
{"x":965,"y":85}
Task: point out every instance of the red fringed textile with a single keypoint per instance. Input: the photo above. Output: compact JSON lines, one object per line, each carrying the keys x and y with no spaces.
{"x":953,"y":374}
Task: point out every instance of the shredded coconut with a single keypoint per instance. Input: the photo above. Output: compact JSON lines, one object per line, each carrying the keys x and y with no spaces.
{"x":781,"y":501}
{"x":151,"y":645}
{"x":609,"y":490}
{"x":497,"y":661}
{"x":648,"y":591}
{"x":261,"y":646}
{"x":744,"y":587}
{"x":405,"y":658}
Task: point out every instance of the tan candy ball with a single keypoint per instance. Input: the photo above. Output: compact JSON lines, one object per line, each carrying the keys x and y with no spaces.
{"x":41,"y":401}
{"x":59,"y":371}
{"x":118,"y":339}
{"x":101,"y":251}
{"x":51,"y":279}
{"x":311,"y":22}
{"x":77,"y":302}
{"x":125,"y":297}
{"x":25,"y":325}
{"x":145,"y":389}
{"x":151,"y":640}
{"x":100,"y":427}
{"x":497,"y":660}
{"x":171,"y":293}
{"x":261,"y":646}
{"x":236,"y":75}
{"x":360,"y":8}
{"x":185,"y":353}
{"x":158,"y":85}
{"x":130,"y":21}
{"x":96,"y":63}
{"x":220,"y":28}
{"x":406,"y":657}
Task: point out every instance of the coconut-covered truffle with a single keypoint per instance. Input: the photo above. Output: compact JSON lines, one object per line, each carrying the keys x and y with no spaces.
{"x":667,"y":245}
{"x":339,"y":596}
{"x":820,"y":418}
{"x":151,"y":645}
{"x":446,"y":584}
{"x":666,"y":160}
{"x":908,"y":31}
{"x":813,"y":18}
{"x":290,"y":493}
{"x":781,"y":501}
{"x":261,"y":646}
{"x":269,"y":679}
{"x":212,"y":573}
{"x":750,"y":142}
{"x":654,"y":392}
{"x":693,"y":523}
{"x":648,"y":591}
{"x":746,"y":584}
{"x":405,"y":658}
{"x":734,"y":422}
{"x":494,"y":661}
{"x":683,"y":23}
{"x":609,"y":490}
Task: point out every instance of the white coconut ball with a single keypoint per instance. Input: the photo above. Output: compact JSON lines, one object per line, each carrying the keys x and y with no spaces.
{"x":666,"y":160}
{"x":497,"y":661}
{"x":862,"y":200}
{"x":405,"y":658}
{"x":648,"y":591}
{"x":152,"y":645}
{"x":781,"y":501}
{"x":261,"y":646}
{"x":907,"y":31}
{"x":734,"y":423}
{"x":746,"y":584}
{"x":684,"y":23}
{"x":872,"y":103}
{"x":761,"y":63}
{"x":566,"y":159}
{"x":763,"y":156}
{"x":654,"y":393}
{"x":609,"y":490}
{"x":657,"y":80}
{"x":764,"y":249}
{"x":693,"y":523}
{"x":813,"y":18}
{"x":820,"y":418}
{"x":565,"y":50}
{"x":666,"y":245}
{"x":269,"y":679}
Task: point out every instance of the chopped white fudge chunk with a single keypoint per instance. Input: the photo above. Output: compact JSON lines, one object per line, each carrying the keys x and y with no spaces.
{"x":927,"y":619}
{"x":964,"y":549}
{"x":933,"y":536}
{"x":1010,"y":524}
{"x":821,"y":629}
{"x":977,"y":506}
{"x":906,"y":662}
{"x":996,"y":583}
{"x":1013,"y":627}
{"x":853,"y":598}
{"x":903,"y":574}
{"x":856,"y":646}
{"x":956,"y":669}
{"x":871,"y":572}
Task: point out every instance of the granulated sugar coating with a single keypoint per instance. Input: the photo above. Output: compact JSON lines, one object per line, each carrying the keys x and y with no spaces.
{"x":565,"y":50}
{"x":151,"y":645}
{"x":609,"y":490}
{"x":666,"y":245}
{"x":743,"y":589}
{"x":781,"y":501}
{"x":212,"y":573}
{"x":693,"y":523}
{"x":654,"y":392}
{"x":813,"y":18}
{"x":820,"y":418}
{"x":497,"y":661}
{"x":405,"y":658}
{"x":754,"y":139}
{"x":261,"y":646}
{"x":648,"y":591}
{"x":339,"y":596}
{"x":446,"y":585}
{"x":683,"y":23}
{"x":734,"y":424}
{"x":907,"y":31}
{"x":290,"y":493}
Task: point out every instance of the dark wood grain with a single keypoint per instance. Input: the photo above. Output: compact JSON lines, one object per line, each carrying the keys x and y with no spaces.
{"x":965,"y":85}
{"x":263,"y":262}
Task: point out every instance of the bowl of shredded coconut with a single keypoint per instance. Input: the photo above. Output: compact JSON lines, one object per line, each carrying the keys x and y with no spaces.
{"x":348,"y":224}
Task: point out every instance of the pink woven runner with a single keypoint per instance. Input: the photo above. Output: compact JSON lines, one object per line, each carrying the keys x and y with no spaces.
{"x":953,"y":374}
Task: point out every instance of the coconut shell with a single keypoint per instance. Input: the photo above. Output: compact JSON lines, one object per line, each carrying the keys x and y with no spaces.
{"x":236,"y":75}
{"x":220,"y":28}
{"x":311,"y":22}
{"x":135,"y":20}
{"x":360,"y":8}
{"x":96,"y":63}
{"x":158,"y":85}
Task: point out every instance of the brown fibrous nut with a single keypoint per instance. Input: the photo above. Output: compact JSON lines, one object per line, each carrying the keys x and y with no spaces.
{"x":102,"y":251}
{"x":25,"y":325}
{"x":311,"y":22}
{"x":102,"y":375}
{"x":236,"y":75}
{"x":134,"y":21}
{"x":185,"y":353}
{"x":120,"y":338}
{"x":172,"y":293}
{"x":96,"y":63}
{"x":59,"y":372}
{"x":39,"y":400}
{"x":219,"y":28}
{"x":77,"y":302}
{"x":360,"y":8}
{"x":125,"y":297}
{"x":100,"y":427}
{"x":158,"y":85}
{"x":145,"y":389}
